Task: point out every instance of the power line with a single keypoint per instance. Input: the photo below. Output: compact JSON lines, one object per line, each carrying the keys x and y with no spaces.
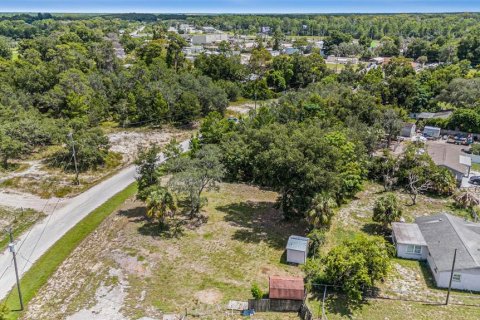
{"x":41,"y":234}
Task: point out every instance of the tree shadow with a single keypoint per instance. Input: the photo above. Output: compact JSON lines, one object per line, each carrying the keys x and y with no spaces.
{"x":376,"y":229}
{"x":338,"y":303}
{"x":261,"y":222}
{"x":172,"y":229}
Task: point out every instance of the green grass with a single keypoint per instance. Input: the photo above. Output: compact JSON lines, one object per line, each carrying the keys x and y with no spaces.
{"x":20,"y":220}
{"x":44,"y":267}
{"x":476,"y":167}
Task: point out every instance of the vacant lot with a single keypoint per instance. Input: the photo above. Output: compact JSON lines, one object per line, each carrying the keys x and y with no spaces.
{"x":409,"y":291}
{"x":18,"y":219}
{"x":129,"y":268}
{"x":35,"y":175}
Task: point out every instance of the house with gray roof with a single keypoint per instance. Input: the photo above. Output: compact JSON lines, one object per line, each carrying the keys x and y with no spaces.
{"x":297,"y":249}
{"x":409,"y":241}
{"x":439,"y":235}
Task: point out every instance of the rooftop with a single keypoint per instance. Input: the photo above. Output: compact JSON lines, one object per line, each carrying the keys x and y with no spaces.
{"x":446,"y":155}
{"x":408,"y":233}
{"x":434,"y":115}
{"x":444,"y":233}
{"x":289,"y":288}
{"x":297,"y":243}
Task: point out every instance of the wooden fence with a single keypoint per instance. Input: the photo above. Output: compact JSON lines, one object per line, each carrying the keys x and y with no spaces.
{"x":305,"y":313}
{"x":276,"y":305}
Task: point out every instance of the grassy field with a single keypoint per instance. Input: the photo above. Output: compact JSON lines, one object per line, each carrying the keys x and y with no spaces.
{"x":409,"y":281}
{"x":19,"y":219}
{"x":476,"y":167}
{"x":44,"y":267}
{"x":192,"y":267}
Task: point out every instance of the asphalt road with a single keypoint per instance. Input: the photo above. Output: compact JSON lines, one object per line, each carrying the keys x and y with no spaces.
{"x":34,"y":243}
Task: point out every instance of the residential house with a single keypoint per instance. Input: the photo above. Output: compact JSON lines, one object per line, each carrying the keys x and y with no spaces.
{"x":409,"y":241}
{"x":443,"y":234}
{"x":450,"y":157}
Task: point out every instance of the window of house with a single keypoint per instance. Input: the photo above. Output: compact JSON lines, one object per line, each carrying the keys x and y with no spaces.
{"x":457,"y":277}
{"x":411,"y":248}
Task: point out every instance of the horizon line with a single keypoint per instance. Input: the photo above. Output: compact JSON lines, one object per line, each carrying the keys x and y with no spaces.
{"x":239,"y":13}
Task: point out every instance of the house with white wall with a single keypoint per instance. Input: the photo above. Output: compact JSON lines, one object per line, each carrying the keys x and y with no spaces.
{"x":439,"y":236}
{"x":409,"y":241}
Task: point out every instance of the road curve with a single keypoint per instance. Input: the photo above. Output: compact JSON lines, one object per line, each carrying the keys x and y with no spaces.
{"x":33,"y":244}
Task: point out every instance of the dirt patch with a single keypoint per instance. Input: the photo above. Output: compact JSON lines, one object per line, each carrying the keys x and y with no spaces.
{"x":209,"y":296}
{"x":127,"y":142}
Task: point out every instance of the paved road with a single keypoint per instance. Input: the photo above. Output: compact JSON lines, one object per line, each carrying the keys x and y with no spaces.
{"x":32,"y":245}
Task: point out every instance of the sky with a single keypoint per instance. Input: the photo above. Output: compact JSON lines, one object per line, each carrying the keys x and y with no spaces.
{"x":241,"y":6}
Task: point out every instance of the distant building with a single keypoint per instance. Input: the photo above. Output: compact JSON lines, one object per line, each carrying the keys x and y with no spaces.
{"x":186,"y":28}
{"x":408,"y":130}
{"x":209,"y":38}
{"x":265,"y":29}
{"x":209,"y":29}
{"x":342,"y":60}
{"x":435,"y":239}
{"x":297,"y":249}
{"x":290,"y":51}
{"x":433,"y":132}
{"x":445,"y":114}
{"x":193,"y":50}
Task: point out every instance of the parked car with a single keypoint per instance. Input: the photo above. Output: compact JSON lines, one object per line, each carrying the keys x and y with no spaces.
{"x":461,"y":140}
{"x":474,"y":180}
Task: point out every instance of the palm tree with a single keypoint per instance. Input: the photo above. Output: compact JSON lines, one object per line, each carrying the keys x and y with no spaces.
{"x":321,"y":212}
{"x":161,"y":204}
{"x":467,"y":200}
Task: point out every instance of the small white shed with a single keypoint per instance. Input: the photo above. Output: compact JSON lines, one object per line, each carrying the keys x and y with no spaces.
{"x":297,"y":249}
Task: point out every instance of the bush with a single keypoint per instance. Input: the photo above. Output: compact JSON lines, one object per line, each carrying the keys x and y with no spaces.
{"x":386,"y":209}
{"x":257,"y":293}
{"x":3,"y":312}
{"x":476,"y":149}
{"x":357,"y":264}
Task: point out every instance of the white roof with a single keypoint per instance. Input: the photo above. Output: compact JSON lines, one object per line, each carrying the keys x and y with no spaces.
{"x":408,"y":233}
{"x":466,"y":161}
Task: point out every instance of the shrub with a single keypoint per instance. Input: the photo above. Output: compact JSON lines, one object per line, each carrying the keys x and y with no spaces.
{"x":257,"y":293}
{"x":386,"y":209}
{"x":476,"y":149}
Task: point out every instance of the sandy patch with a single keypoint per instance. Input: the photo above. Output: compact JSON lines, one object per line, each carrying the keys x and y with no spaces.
{"x":209,"y":296}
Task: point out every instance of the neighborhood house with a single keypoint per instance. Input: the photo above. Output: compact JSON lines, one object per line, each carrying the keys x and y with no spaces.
{"x":435,"y":238}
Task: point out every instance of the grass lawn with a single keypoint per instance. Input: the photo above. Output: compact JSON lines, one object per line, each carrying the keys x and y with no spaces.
{"x":476,"y":167}
{"x":335,"y":66}
{"x":408,"y":280}
{"x":19,"y":219}
{"x":191,"y":267}
{"x":44,"y":267}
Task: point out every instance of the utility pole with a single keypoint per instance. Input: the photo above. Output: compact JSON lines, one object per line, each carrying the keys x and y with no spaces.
{"x":11,"y":246}
{"x":451,"y":276}
{"x":70,"y":135}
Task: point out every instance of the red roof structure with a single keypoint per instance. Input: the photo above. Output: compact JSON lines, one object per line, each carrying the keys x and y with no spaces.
{"x":287,"y":288}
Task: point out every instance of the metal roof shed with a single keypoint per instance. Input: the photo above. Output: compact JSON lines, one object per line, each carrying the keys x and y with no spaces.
{"x":297,"y":249}
{"x":286,"y":288}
